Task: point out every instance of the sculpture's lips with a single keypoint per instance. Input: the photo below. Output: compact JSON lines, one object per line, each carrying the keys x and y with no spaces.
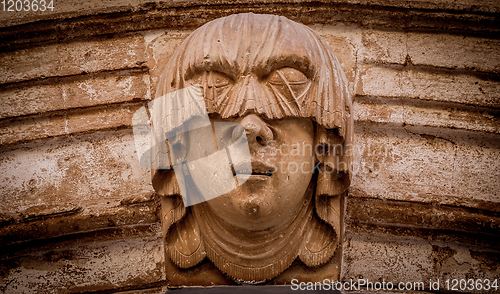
{"x":259,"y":169}
{"x":256,"y":173}
{"x":262,"y":169}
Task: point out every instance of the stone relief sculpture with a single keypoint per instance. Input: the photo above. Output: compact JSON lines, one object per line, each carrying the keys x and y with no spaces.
{"x":283,"y":85}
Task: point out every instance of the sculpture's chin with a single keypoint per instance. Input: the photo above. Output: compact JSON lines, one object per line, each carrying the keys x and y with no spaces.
{"x":251,"y":211}
{"x":257,"y":205}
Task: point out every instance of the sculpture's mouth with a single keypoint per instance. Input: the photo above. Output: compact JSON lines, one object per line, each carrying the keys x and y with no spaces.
{"x":258,"y":169}
{"x":262,"y":169}
{"x":258,"y":173}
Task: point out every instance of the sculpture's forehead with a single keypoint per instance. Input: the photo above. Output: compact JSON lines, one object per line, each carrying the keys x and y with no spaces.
{"x":246,"y":43}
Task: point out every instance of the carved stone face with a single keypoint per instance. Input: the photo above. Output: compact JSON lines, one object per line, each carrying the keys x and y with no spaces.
{"x":282,"y":83}
{"x":282,"y":168}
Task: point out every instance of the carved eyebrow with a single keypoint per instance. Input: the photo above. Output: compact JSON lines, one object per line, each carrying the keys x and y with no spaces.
{"x":261,"y":67}
{"x":299,"y":62}
{"x":208,"y":66}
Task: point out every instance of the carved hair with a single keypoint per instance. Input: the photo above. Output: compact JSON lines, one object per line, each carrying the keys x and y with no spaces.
{"x":232,"y":59}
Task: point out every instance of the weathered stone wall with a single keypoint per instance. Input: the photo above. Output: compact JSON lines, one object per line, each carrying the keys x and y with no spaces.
{"x":78,"y":213}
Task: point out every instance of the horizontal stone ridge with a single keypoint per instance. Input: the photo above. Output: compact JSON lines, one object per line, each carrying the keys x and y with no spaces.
{"x":84,"y":22}
{"x":72,"y":9}
{"x":76,"y":223}
{"x":410,"y":214}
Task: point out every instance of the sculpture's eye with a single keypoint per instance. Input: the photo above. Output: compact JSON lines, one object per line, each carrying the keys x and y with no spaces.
{"x":290,"y":74}
{"x":289,"y":82}
{"x":214,"y":84}
{"x":217,"y":80}
{"x":210,"y":79}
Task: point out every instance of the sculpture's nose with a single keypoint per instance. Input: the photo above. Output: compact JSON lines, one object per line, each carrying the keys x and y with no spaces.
{"x":256,"y":129}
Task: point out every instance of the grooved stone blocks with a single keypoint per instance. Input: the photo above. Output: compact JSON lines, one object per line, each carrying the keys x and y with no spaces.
{"x":427,"y":164}
{"x":452,"y":51}
{"x":97,"y":170}
{"x":378,"y":256}
{"x":90,"y":267}
{"x":69,"y":93}
{"x":427,"y":132}
{"x":398,"y":81}
{"x":73,"y":58}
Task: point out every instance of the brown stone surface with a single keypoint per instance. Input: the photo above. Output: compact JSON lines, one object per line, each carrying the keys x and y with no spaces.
{"x":60,"y":223}
{"x":67,"y":59}
{"x":379,"y":254}
{"x":76,"y":9}
{"x":430,"y":165}
{"x":451,"y":51}
{"x":89,"y":267}
{"x":403,"y":111}
{"x":88,"y":170}
{"x":449,"y":86}
{"x":65,"y":123}
{"x":461,"y":17}
{"x":424,"y":201}
{"x":419,"y":215}
{"x":77,"y":92}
